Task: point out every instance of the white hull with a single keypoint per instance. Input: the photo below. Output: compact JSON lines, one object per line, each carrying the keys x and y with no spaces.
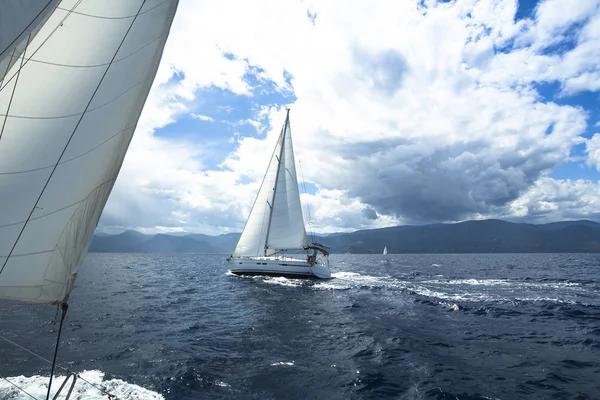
{"x":272,"y":266}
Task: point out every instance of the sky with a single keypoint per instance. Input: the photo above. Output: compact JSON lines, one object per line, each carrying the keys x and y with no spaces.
{"x":402,"y":112}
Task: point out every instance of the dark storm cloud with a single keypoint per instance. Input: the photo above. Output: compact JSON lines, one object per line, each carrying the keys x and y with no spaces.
{"x":425,"y":184}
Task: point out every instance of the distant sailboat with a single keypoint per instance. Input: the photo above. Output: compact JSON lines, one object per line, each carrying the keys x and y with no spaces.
{"x":384,"y":250}
{"x":74,"y":77}
{"x":275,"y":224}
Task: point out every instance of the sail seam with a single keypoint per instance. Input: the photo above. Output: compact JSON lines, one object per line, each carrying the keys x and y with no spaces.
{"x":94,"y":65}
{"x":70,"y":159}
{"x":77,"y":114}
{"x":62,"y":208}
{"x":70,"y":138}
{"x":126,"y":17}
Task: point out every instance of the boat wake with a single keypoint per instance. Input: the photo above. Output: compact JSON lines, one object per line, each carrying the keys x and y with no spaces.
{"x":37,"y":386}
{"x":454,"y":290}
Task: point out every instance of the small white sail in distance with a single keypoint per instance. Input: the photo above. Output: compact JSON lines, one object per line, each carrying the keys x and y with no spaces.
{"x":384,"y":250}
{"x":275,"y":222}
{"x":69,"y":107}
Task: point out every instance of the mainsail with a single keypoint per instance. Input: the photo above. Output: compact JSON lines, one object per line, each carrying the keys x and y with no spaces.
{"x":276,"y":222}
{"x":68,"y":110}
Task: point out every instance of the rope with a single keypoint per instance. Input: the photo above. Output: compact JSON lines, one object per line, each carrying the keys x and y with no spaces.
{"x":65,"y":307}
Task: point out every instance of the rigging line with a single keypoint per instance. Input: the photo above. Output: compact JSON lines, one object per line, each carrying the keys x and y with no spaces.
{"x":69,"y":141}
{"x":27,"y":27}
{"x":21,"y":389}
{"x":65,"y":307}
{"x":12,"y":95}
{"x":44,"y":42}
{"x":59,"y":366}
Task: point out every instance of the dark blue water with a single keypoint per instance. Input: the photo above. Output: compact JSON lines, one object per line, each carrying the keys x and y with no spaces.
{"x":396,"y":326}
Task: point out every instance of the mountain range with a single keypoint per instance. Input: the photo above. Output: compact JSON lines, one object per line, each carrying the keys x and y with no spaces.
{"x":485,"y":236}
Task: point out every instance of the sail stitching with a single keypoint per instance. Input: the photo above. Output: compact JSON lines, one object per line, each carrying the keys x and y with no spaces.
{"x":70,"y":138}
{"x":126,"y":17}
{"x":62,"y":208}
{"x":81,"y":113}
{"x":70,"y":159}
{"x":95,"y":65}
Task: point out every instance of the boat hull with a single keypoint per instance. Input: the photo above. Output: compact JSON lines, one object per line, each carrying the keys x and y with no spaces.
{"x":289,"y":268}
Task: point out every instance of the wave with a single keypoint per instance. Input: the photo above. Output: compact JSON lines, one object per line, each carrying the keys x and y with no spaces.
{"x":37,"y":386}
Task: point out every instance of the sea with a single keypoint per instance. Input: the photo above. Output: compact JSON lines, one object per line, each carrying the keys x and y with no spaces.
{"x":448,"y":326}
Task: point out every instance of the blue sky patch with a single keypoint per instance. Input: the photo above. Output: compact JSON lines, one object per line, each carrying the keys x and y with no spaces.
{"x":526,"y":9}
{"x":218,"y":115}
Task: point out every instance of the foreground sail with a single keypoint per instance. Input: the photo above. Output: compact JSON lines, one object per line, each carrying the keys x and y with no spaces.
{"x":68,"y":109}
{"x":276,"y":225}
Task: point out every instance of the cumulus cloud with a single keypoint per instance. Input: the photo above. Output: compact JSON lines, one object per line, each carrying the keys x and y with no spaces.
{"x":412,"y":111}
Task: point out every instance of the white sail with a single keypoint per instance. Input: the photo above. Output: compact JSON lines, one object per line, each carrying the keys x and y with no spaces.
{"x":18,"y":20}
{"x":286,"y":230}
{"x":384,"y":249}
{"x":275,"y":222}
{"x":69,"y":115}
{"x":253,"y":239}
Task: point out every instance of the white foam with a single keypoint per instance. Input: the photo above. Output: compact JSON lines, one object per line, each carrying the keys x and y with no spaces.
{"x":286,"y":363}
{"x":283,"y":281}
{"x":347,"y":280}
{"x":37,"y":386}
{"x":503,"y":282}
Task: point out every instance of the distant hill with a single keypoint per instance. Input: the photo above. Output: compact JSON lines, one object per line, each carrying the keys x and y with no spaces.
{"x":488,"y":236}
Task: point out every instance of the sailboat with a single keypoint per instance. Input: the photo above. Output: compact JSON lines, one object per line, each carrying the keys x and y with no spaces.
{"x":74,"y":77}
{"x":275,"y":227}
{"x":384,"y":250}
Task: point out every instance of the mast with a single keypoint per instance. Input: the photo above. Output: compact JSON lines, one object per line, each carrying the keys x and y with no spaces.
{"x":287,"y":119}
